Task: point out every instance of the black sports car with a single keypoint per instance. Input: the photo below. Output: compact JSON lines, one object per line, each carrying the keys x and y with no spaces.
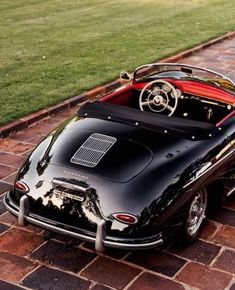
{"x":139,"y":164}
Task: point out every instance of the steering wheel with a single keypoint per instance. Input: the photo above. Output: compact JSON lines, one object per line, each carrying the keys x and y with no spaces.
{"x":159,"y":94}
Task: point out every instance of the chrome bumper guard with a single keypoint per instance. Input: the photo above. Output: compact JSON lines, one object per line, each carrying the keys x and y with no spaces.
{"x":101,"y":240}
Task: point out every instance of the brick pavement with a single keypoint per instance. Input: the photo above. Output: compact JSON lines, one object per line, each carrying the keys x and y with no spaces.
{"x":34,"y":258}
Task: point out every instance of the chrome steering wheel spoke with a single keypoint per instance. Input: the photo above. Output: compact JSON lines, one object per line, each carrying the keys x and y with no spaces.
{"x":157,"y":99}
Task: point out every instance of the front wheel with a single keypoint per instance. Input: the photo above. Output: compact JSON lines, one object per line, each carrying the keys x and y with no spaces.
{"x":196,"y":215}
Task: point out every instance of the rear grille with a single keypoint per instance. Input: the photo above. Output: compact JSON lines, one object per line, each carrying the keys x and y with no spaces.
{"x":93,"y":150}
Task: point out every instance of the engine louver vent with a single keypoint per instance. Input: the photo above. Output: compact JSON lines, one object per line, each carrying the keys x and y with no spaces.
{"x":93,"y":150}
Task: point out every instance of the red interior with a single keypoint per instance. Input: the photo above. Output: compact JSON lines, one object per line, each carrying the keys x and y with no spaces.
{"x":121,"y":96}
{"x":199,"y":89}
{"x":129,"y":95}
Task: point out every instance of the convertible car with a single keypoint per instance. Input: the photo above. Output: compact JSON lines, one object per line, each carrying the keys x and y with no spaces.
{"x":137,"y":166}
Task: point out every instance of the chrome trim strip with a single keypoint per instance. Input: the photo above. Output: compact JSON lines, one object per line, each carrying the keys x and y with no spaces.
{"x":106,"y":243}
{"x":68,"y":185}
{"x":212,"y":166}
{"x":126,"y":246}
{"x":230,"y":192}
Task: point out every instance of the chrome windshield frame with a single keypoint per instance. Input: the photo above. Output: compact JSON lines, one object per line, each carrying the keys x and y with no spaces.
{"x":181,"y":65}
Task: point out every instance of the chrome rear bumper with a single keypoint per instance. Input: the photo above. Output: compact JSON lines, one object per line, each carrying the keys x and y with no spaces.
{"x":100,"y":240}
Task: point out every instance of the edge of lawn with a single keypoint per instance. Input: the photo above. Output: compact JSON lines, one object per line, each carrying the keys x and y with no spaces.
{"x":95,"y":93}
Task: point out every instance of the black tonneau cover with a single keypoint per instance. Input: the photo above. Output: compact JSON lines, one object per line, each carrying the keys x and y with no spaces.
{"x":185,"y":128}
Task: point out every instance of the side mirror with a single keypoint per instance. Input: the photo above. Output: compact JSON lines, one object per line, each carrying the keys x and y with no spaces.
{"x":125,"y":76}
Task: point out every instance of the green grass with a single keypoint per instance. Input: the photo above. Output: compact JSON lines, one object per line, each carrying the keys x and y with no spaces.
{"x":53,"y":49}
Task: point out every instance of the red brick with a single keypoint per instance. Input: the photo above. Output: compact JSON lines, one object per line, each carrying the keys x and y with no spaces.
{"x":58,"y":108}
{"x":32,"y":118}
{"x":148,"y":281}
{"x":52,"y":121}
{"x":37,"y":139}
{"x":232,"y":287}
{"x":2,"y":207}
{"x":62,"y":238}
{"x":46,"y":278}
{"x":11,"y":159}
{"x":76,"y":100}
{"x":23,"y":136}
{"x":58,"y":117}
{"x":10,"y":220}
{"x":33,"y":229}
{"x":100,"y":287}
{"x":199,"y":251}
{"x":14,"y":268}
{"x":225,"y":216}
{"x":11,"y":178}
{"x":12,"y":127}
{"x":203,"y":277}
{"x":63,"y":256}
{"x":231,"y":67}
{"x":111,"y":252}
{"x":40,"y":128}
{"x":3,"y":228}
{"x":197,"y":49}
{"x":208,"y":230}
{"x":110,"y":272}
{"x":226,"y":261}
{"x":8,"y":286}
{"x":225,"y":236}
{"x":226,"y":57}
{"x":157,"y":261}
{"x":4,"y":187}
{"x":27,"y":153}
{"x":13,"y":146}
{"x":95,"y":93}
{"x":68,"y":113}
{"x":6,"y":170}
{"x":19,"y":242}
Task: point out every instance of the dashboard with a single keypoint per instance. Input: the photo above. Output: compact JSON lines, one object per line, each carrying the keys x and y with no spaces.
{"x":171,"y":98}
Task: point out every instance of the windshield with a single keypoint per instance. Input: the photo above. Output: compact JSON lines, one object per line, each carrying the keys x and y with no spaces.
{"x":185,"y":72}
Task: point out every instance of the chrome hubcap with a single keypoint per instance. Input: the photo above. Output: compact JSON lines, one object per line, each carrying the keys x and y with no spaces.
{"x":197,"y":212}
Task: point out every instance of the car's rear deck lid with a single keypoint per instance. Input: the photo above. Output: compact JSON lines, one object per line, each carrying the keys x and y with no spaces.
{"x":150,"y":121}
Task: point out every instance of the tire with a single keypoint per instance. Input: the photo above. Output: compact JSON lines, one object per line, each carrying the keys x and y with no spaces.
{"x":196,"y":216}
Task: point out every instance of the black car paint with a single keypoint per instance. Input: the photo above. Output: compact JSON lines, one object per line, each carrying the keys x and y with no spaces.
{"x":157,"y":193}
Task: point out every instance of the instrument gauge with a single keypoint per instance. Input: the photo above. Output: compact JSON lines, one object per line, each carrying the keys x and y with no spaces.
{"x":178,"y":93}
{"x":166,"y":88}
{"x":156,"y":90}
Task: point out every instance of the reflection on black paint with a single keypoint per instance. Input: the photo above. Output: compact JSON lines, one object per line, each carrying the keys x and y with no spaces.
{"x":67,"y":210}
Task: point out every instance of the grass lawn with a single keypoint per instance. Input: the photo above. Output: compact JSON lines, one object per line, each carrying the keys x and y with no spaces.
{"x":53,"y":49}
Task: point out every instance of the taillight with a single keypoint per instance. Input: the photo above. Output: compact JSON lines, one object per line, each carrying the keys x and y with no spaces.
{"x":126,"y":218}
{"x":21,"y":186}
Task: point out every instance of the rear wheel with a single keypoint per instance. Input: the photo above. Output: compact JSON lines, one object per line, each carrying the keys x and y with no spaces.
{"x":196,"y":215}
